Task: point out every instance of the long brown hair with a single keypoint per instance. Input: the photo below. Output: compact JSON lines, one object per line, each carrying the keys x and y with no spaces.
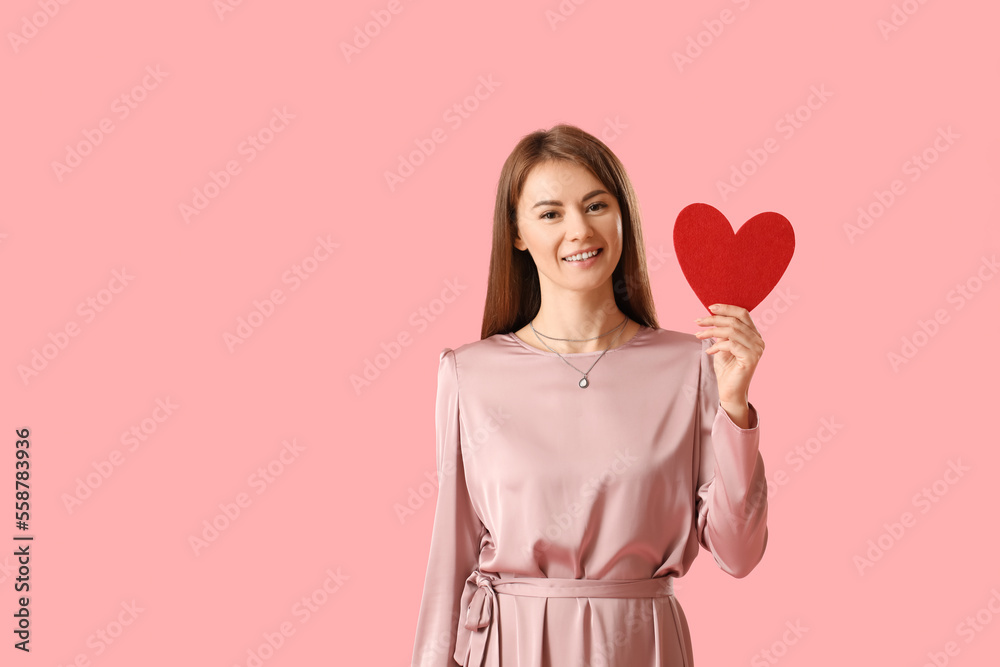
{"x":513,"y":295}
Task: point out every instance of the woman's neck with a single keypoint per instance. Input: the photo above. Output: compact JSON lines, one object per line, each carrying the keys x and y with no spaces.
{"x":615,"y":327}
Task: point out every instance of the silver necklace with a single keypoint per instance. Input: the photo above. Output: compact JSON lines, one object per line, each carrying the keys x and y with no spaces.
{"x":584,"y":382}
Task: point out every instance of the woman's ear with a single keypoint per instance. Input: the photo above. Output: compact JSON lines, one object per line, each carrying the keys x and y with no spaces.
{"x":518,"y":241}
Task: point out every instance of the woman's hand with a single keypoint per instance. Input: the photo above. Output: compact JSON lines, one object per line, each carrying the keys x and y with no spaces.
{"x":737,"y":349}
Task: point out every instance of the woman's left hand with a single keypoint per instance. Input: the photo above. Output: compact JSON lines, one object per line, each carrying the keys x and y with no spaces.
{"x":737,"y":349}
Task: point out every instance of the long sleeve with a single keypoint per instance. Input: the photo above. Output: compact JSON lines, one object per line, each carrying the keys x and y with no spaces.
{"x":731,"y":504}
{"x":456,"y":535}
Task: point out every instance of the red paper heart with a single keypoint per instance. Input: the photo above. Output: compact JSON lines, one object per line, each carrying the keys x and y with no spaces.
{"x":723,"y":267}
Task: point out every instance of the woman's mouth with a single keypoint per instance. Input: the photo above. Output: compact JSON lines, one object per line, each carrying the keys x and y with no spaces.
{"x":583,"y":259}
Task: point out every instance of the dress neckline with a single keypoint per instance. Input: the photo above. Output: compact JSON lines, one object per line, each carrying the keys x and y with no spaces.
{"x":643,"y":329}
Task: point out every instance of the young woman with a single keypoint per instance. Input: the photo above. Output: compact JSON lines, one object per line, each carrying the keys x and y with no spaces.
{"x":583,"y":453}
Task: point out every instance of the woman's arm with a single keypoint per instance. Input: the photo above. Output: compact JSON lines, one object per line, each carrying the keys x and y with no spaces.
{"x":731,"y":503}
{"x":739,"y":413}
{"x":455,"y":538}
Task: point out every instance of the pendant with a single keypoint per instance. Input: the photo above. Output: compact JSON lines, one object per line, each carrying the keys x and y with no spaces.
{"x":584,"y":383}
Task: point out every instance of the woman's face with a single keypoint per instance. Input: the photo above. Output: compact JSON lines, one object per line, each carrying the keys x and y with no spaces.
{"x":564,"y":210}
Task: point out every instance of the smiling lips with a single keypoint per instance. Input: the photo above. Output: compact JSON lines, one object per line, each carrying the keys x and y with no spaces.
{"x":583,"y":256}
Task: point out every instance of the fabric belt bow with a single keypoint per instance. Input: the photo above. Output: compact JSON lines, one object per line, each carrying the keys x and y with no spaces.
{"x":478,"y":621}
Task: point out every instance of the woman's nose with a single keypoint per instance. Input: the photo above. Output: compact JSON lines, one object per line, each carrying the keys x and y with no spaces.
{"x":577,"y":224}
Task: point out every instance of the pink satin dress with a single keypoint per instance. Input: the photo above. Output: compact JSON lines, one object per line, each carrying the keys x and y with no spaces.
{"x":564,"y":513}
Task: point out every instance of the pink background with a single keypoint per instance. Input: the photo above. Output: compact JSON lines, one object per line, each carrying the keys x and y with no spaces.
{"x":334,"y":506}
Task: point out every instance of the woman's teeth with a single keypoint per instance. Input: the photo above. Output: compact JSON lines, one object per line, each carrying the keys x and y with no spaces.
{"x":582,"y":256}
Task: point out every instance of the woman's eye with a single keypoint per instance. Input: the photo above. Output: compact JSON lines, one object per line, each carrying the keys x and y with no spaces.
{"x":599,"y":204}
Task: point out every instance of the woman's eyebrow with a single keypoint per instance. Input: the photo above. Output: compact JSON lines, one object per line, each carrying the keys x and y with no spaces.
{"x":553,"y":202}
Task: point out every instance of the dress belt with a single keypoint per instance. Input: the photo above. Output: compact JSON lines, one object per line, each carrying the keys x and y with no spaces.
{"x":483,"y":609}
